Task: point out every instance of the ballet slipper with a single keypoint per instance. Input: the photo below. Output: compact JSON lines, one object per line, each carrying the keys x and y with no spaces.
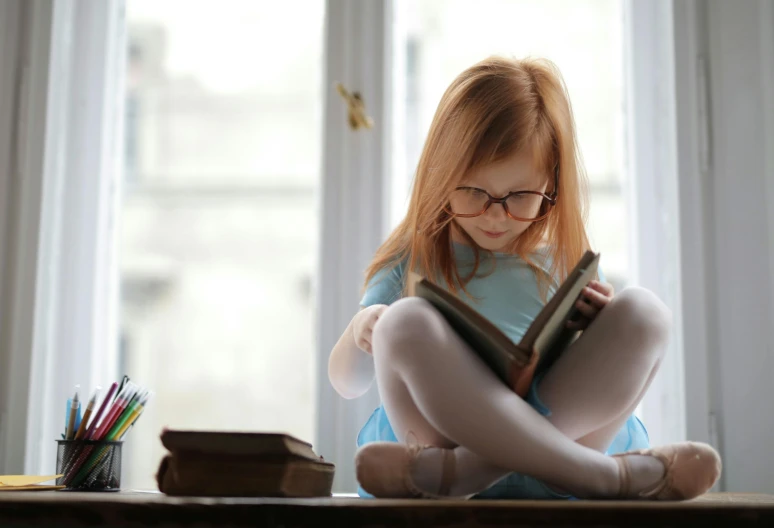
{"x":383,"y":469}
{"x":691,"y":469}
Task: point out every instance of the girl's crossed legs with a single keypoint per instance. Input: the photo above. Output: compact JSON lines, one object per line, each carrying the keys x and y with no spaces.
{"x":436,"y":390}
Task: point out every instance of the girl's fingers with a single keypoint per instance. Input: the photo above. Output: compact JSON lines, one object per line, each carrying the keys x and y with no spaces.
{"x":596,"y":298}
{"x":364,"y":344}
{"x":602,"y":287}
{"x":589,"y":311}
{"x":581,"y":324}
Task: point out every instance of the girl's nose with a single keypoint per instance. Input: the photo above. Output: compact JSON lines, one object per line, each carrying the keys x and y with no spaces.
{"x":497,"y":212}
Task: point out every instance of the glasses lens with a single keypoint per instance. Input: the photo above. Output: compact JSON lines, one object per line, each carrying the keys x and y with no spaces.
{"x":527,"y":206}
{"x":468,"y":201}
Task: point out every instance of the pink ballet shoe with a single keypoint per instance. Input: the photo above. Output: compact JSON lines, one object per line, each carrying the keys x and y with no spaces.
{"x":692,"y":468}
{"x":383,"y":469}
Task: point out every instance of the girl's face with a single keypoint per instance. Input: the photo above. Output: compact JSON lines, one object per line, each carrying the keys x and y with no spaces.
{"x":494,"y":229}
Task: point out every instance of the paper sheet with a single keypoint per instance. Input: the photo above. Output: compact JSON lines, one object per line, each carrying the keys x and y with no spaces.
{"x":31,"y":487}
{"x":26,"y":482}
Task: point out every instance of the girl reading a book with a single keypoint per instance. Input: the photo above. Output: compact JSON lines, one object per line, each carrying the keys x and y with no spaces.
{"x":496,"y":216}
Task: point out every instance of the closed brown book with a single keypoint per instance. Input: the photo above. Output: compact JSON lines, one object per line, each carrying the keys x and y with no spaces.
{"x":242,"y":464}
{"x":236,"y":443}
{"x":277,"y":477}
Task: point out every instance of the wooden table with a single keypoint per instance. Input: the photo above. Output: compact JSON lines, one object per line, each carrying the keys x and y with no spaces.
{"x":132,"y":509}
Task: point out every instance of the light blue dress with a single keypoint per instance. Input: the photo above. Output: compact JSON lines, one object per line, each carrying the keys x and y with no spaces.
{"x":508,"y":296}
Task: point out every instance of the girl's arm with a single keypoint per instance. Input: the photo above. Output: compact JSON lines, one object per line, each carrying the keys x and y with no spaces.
{"x":350,"y":365}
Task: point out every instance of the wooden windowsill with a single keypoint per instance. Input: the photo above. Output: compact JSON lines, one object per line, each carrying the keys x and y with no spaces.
{"x":132,"y":508}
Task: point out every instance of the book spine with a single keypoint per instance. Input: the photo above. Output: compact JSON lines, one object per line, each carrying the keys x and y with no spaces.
{"x":521,"y":376}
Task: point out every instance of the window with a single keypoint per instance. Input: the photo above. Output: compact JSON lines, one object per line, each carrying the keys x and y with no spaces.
{"x":219,"y":219}
{"x":218,"y":222}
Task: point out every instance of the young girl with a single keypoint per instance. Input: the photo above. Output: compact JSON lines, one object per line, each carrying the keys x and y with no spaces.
{"x":497,"y":217}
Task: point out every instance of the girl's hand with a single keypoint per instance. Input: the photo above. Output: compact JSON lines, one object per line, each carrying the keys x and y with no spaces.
{"x":363,"y":327}
{"x":594,"y":297}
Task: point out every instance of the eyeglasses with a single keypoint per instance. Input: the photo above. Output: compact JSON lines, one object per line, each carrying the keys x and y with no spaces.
{"x":524,"y":206}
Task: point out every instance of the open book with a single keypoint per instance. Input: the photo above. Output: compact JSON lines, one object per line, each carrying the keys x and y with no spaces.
{"x":543,"y":342}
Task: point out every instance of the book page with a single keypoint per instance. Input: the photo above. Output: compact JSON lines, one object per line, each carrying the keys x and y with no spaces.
{"x":487,"y":341}
{"x":556,"y":323}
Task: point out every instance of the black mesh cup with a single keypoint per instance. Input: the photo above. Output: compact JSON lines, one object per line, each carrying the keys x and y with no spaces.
{"x":88,"y":465}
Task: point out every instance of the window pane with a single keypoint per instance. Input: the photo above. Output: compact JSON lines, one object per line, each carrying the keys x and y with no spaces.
{"x":441,"y":38}
{"x":218,"y":242}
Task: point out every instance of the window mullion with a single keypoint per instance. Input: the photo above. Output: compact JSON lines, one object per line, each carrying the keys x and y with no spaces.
{"x":354,"y":205}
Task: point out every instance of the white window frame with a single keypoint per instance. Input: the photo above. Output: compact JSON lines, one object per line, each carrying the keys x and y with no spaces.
{"x":62,"y":298}
{"x":693,"y":141}
{"x":355,"y":193}
{"x":724,"y":129}
{"x":42,"y":284}
{"x":653,"y":197}
{"x":20,"y":201}
{"x":739,"y":225}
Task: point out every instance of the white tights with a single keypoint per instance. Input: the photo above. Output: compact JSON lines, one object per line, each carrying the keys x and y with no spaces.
{"x":435,"y":389}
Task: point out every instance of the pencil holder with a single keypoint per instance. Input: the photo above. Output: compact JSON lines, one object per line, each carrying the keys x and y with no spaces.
{"x":89,"y":465}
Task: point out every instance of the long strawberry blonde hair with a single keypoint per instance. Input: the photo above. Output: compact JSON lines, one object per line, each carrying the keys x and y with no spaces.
{"x":494,"y":109}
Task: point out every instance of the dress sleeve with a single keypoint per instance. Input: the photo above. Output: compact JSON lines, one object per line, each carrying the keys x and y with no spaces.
{"x":385,"y":287}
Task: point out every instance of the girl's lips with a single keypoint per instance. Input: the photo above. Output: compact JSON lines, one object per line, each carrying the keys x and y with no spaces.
{"x":491,"y":234}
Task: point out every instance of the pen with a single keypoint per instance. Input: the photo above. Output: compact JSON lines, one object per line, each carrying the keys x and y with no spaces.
{"x":77,"y":413}
{"x":126,"y":410}
{"x":71,"y":421}
{"x":134,"y":408}
{"x":120,"y":403}
{"x":87,"y":414}
{"x":124,"y":381}
{"x":135,"y":415}
{"x":93,"y":425}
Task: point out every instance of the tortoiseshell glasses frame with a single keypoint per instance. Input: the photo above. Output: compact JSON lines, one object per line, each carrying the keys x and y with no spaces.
{"x":549,"y":200}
